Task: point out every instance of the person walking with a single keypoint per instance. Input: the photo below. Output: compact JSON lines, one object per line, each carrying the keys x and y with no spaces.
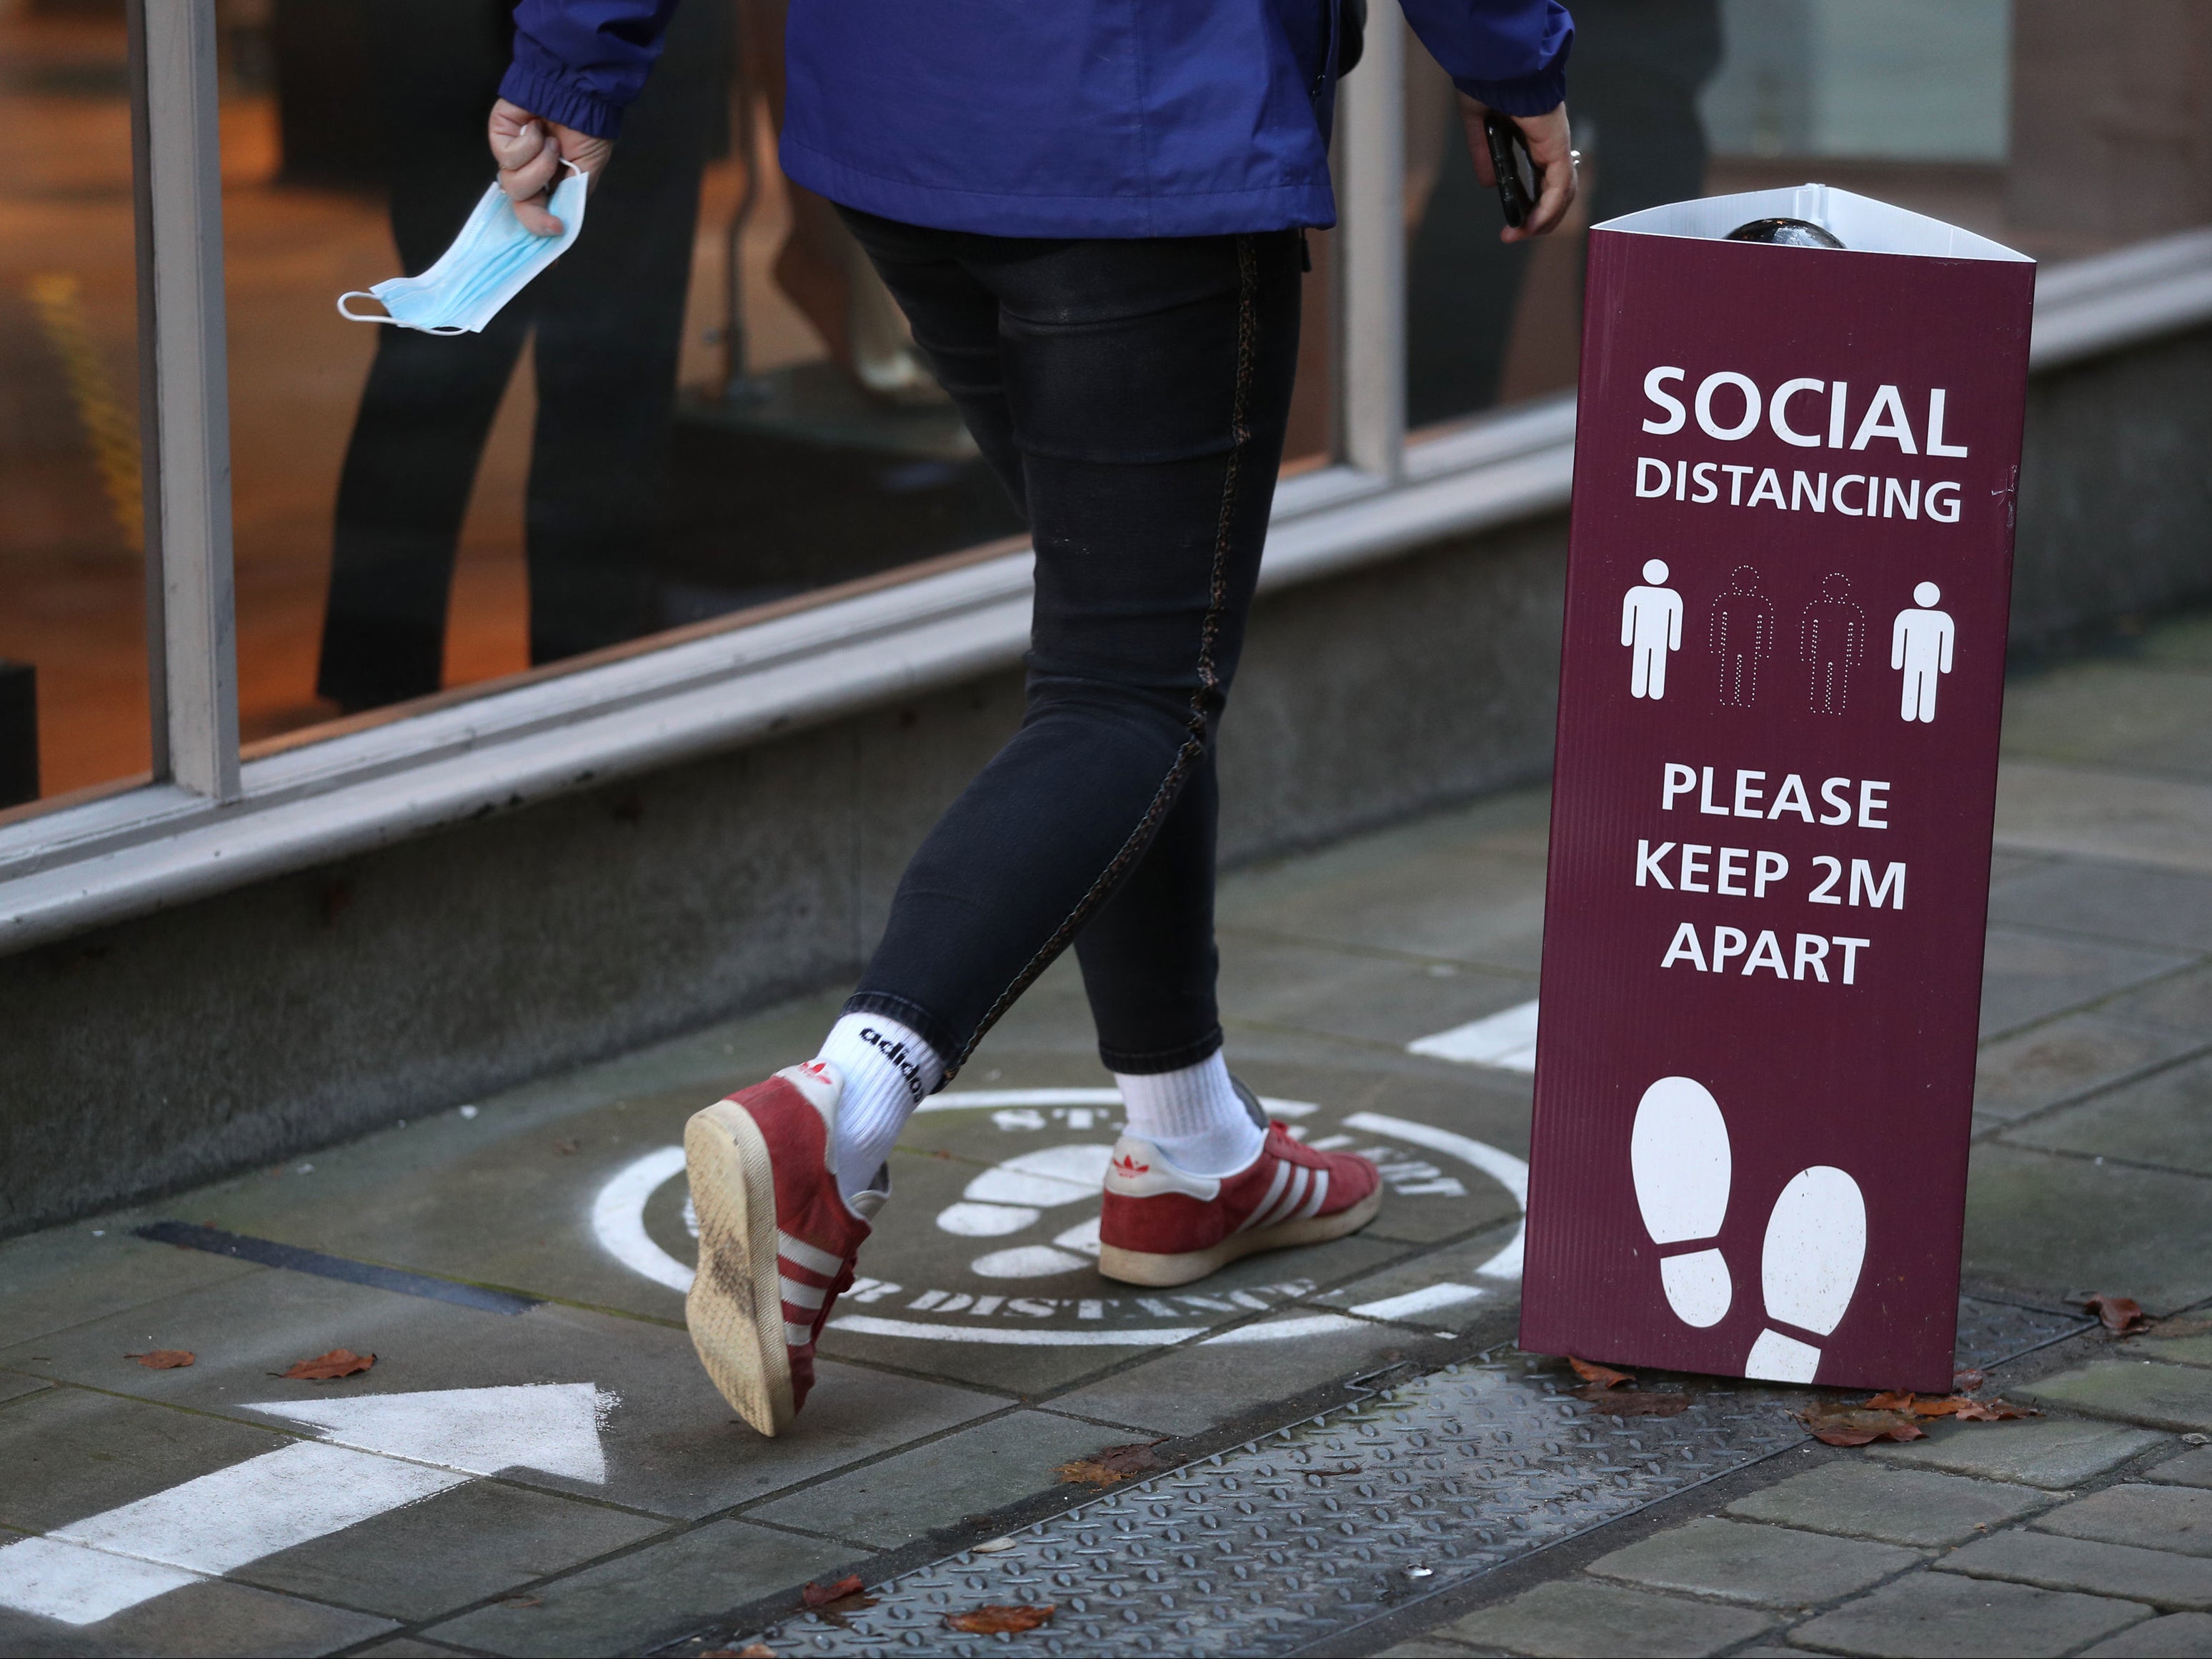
{"x":1093,"y":217}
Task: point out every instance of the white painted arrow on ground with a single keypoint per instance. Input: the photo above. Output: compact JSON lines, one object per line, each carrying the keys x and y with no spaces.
{"x":378,"y":1452}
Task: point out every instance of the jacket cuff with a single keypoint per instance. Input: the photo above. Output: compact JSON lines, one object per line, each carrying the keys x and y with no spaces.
{"x":551,"y":100}
{"x":1530,"y":94}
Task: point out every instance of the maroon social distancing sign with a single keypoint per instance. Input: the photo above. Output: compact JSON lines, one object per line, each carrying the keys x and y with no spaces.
{"x":1787,"y":591}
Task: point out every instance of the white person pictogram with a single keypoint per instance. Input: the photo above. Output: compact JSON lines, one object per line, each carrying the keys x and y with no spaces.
{"x":1832,"y":638}
{"x":1651,"y":627}
{"x":1920,"y":644}
{"x":1743,"y":633}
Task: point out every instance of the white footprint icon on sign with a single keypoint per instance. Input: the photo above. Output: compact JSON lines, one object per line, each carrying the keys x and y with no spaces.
{"x":1678,"y":1152}
{"x":1815,"y":1245}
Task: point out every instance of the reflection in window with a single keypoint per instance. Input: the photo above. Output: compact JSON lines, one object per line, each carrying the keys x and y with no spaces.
{"x":1903,"y":100}
{"x":73,"y":695}
{"x":706,"y":404}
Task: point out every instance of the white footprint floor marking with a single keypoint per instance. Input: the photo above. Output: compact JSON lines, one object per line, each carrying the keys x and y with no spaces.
{"x":1678,"y":1152}
{"x":1679,"y":1158}
{"x":1815,"y":1246}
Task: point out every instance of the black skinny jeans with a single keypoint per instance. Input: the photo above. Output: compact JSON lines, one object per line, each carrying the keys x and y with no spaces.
{"x":1131,"y":395}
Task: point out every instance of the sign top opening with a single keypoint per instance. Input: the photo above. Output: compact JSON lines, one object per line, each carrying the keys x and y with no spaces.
{"x":1864,"y":225}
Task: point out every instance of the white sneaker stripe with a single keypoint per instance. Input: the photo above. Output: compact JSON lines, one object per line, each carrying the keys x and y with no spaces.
{"x":799,"y":1251}
{"x":797,"y":1336}
{"x":1312,"y":1205}
{"x":1274,"y":1192}
{"x":808,"y":1296}
{"x":1301,"y":1178}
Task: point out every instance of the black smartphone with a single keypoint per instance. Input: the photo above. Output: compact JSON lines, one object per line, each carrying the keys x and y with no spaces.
{"x":1517,"y":173}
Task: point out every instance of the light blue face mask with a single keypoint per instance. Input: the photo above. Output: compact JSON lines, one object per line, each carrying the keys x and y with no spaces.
{"x":491,"y":261}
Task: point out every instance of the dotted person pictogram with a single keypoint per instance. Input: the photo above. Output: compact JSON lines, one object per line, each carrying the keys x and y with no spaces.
{"x":1833,"y":637}
{"x":1743,"y":633}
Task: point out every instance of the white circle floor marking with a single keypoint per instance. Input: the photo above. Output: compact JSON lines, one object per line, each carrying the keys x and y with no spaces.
{"x":1012,"y":1195}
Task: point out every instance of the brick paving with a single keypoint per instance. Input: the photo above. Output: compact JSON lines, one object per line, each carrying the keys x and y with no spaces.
{"x":973,"y":1365}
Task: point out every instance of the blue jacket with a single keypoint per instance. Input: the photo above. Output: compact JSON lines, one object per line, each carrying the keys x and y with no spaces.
{"x":1052,"y":117}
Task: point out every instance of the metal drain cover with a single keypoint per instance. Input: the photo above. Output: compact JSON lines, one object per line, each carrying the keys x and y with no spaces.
{"x":1329,"y":1522}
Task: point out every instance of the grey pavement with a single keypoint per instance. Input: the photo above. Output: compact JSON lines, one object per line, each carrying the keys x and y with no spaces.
{"x":1322,"y":1394}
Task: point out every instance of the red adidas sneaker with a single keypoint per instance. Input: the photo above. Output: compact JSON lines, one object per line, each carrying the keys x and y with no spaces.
{"x":1160,"y":1225}
{"x":777,"y":1238}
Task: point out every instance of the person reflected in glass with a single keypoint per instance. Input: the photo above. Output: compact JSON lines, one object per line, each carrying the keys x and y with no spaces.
{"x":1093,"y":217}
{"x":607,"y":319}
{"x":1639,"y":66}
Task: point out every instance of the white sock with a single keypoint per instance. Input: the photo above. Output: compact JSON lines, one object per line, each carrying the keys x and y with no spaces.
{"x":1194,"y":1116}
{"x":888,"y":1071}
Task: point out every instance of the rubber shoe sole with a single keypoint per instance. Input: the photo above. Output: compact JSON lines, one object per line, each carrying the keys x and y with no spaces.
{"x":735,"y":1308}
{"x":1159,"y":1271}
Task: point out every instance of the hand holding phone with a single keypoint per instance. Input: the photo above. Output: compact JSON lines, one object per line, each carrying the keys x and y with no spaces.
{"x":1517,"y":178}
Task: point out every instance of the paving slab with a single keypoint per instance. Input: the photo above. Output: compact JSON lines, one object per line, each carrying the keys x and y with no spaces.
{"x":2068,"y":1058}
{"x":1765,"y":1566}
{"x":2028,"y":975}
{"x":1424,"y":1647}
{"x":1579,"y":1619}
{"x":1465,"y":885}
{"x":2190,"y":1469}
{"x":2177,"y":1636}
{"x":1939,"y":1615}
{"x":458,"y":1547}
{"x":1194,"y":1388}
{"x":2156,"y":1576}
{"x":15,"y":1387}
{"x":2158,"y":1517}
{"x":2165,"y":1119}
{"x":671,"y":1445}
{"x":213,"y":1617}
{"x":2139,"y":1391}
{"x":2121,"y":901}
{"x":52,"y":1281}
{"x":407,"y":1647}
{"x":69,"y":1453}
{"x":899,"y":1499}
{"x":2048,"y":1223}
{"x":1858,"y":1500}
{"x":2157,"y":716}
{"x":2194,"y":1350}
{"x":2182,"y":1001}
{"x":1446,"y":1289}
{"x":1367,"y":997}
{"x":648,"y":1596}
{"x":2055,"y":1453}
{"x":2100,"y":812}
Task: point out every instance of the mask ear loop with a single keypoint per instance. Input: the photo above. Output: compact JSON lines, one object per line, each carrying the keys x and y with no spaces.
{"x":352,"y":317}
{"x":363,"y":294}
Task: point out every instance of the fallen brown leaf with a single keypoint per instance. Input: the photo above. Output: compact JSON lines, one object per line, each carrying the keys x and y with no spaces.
{"x":2121,"y":1314}
{"x":821,"y":1596}
{"x":1634,"y":1402}
{"x":162,"y":1359}
{"x":1992,"y":1411}
{"x":1969,"y":1381}
{"x":1891,"y":1400}
{"x":998,"y":1619}
{"x":1603,"y":1376}
{"x":1857,"y":1425}
{"x":328,"y":1367}
{"x":1110,"y":1464}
